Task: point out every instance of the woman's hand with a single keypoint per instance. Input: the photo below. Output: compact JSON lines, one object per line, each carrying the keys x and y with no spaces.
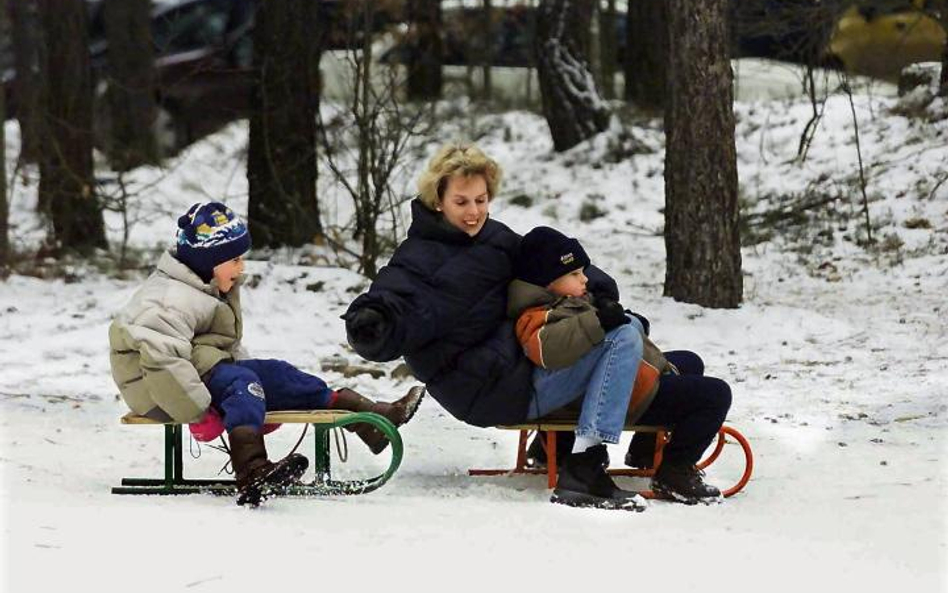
{"x":366,"y":326}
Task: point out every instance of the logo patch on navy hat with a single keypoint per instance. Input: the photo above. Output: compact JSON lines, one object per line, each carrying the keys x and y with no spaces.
{"x":256,"y":389}
{"x":567,"y":259}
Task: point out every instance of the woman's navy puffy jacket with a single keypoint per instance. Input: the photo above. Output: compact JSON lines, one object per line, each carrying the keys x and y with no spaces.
{"x":443,"y":297}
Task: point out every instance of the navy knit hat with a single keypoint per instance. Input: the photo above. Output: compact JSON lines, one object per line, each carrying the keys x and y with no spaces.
{"x":209,"y":235}
{"x":546,"y":254}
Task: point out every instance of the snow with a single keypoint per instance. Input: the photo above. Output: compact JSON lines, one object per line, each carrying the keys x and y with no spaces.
{"x":838,"y":359}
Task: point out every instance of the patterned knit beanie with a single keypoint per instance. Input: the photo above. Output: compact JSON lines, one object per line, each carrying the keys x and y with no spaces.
{"x":208,"y":235}
{"x":546,"y":254}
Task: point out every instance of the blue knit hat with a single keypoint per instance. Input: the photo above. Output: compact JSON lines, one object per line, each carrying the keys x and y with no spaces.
{"x":546,"y":254}
{"x":209,"y":235}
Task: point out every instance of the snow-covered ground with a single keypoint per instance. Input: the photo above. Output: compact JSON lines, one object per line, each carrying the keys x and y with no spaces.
{"x":838,"y":359}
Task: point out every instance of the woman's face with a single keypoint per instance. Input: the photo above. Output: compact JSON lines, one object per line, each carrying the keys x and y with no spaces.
{"x":465,"y":203}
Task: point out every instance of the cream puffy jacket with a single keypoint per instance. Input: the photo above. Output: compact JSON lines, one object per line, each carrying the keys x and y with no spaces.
{"x":174,"y":330}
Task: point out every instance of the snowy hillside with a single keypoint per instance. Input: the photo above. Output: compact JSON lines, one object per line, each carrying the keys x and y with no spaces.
{"x":838,"y":360}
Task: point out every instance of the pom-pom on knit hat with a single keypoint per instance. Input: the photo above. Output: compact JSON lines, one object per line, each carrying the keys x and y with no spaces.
{"x":209,"y":235}
{"x":546,"y":254}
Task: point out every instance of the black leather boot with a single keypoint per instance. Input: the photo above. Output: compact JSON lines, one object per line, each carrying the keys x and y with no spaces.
{"x":398,"y":412}
{"x":683,"y":482}
{"x":641,"y":453}
{"x":257,"y":476}
{"x":583,"y":482}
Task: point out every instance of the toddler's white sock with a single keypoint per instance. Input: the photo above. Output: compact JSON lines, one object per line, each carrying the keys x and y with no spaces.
{"x":583,"y":443}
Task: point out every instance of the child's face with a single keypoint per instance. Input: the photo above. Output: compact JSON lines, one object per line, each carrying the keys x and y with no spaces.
{"x":572,"y":284}
{"x":465,"y":203}
{"x":227,"y":273}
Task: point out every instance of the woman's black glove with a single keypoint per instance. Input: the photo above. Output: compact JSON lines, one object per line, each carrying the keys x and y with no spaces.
{"x":610,"y":314}
{"x":366,"y":328}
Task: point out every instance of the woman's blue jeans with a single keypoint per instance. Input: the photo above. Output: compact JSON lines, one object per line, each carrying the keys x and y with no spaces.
{"x":603,"y":377}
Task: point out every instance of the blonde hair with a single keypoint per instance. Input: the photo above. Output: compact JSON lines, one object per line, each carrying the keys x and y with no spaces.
{"x":456,"y":159}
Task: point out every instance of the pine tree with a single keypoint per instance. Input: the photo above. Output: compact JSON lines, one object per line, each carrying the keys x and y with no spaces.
{"x":66,"y":187}
{"x":646,"y":51}
{"x":702,"y":239}
{"x":281,"y":159}
{"x":4,"y":208}
{"x":424,"y":65}
{"x":30,"y":65}
{"x":130,"y":96}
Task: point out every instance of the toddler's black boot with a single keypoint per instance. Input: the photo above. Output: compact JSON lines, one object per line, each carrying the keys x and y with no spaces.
{"x":583,"y":482}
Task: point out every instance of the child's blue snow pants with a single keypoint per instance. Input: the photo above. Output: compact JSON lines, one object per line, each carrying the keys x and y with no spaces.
{"x":243,"y":391}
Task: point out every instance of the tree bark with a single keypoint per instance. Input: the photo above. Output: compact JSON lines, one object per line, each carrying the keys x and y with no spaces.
{"x":4,"y":207}
{"x":607,"y":49}
{"x":646,"y":54}
{"x":424,"y":64}
{"x":487,"y":55}
{"x":572,"y":105}
{"x":29,"y":64}
{"x":702,"y":240}
{"x":943,"y":19}
{"x":66,"y":185}
{"x":130,"y":94}
{"x":943,"y":84}
{"x":281,"y":159}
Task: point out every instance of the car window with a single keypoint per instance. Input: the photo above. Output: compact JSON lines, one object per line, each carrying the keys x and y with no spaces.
{"x":192,"y":26}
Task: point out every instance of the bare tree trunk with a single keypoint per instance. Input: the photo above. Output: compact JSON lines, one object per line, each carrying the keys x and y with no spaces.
{"x":487,"y":54}
{"x":281,"y":159}
{"x":4,"y":207}
{"x":572,"y":105}
{"x":66,"y":176}
{"x":646,"y":54}
{"x":607,"y":49}
{"x":130,"y":92}
{"x":29,"y":64}
{"x":424,"y":66}
{"x":943,"y":84}
{"x":367,"y":211}
{"x":943,"y":19}
{"x":702,"y":241}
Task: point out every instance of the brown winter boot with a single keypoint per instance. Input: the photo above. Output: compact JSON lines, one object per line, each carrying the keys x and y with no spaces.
{"x":398,"y":412}
{"x":257,"y":476}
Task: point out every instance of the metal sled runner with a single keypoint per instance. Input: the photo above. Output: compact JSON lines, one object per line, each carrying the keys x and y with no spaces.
{"x":322,"y":422}
{"x":552,"y":426}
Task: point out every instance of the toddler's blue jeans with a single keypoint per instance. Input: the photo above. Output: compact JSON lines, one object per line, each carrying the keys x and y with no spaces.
{"x":603,"y":377}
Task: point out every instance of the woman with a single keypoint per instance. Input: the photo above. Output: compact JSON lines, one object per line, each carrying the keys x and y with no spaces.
{"x":441,"y":303}
{"x":441,"y":300}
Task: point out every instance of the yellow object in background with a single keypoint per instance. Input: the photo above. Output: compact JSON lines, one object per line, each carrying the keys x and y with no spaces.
{"x":881,"y":44}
